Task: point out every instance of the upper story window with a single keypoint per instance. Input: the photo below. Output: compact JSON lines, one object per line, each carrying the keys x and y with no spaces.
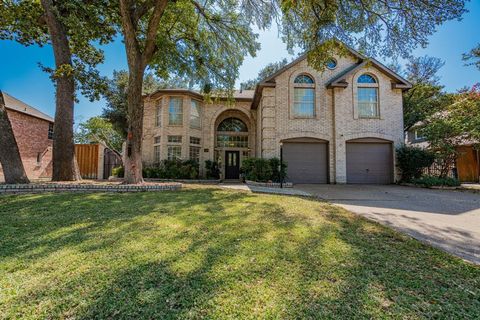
{"x":232,"y":125}
{"x":367,"y":97}
{"x":50,"y":131}
{"x":331,"y":63}
{"x":304,"y":97}
{"x":175,"y":111}
{"x":194,"y":140}
{"x":158,"y":114}
{"x":303,"y":78}
{"x":195,"y":121}
{"x":174,"y":139}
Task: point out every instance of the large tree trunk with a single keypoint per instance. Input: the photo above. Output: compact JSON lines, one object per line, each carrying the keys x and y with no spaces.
{"x":133,"y":157}
{"x":10,"y":159}
{"x":63,"y":144}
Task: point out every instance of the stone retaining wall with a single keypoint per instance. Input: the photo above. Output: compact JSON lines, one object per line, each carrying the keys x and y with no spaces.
{"x":51,"y":187}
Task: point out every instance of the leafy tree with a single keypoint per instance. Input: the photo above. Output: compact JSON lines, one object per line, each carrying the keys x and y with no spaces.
{"x":10,"y":159}
{"x":70,"y":27}
{"x":116,"y":95}
{"x":426,"y":96}
{"x":99,"y":130}
{"x":265,"y":72}
{"x":473,"y":57}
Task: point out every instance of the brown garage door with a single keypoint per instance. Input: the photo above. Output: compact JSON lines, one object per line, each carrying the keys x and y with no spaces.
{"x":307,"y":162}
{"x":369,"y":163}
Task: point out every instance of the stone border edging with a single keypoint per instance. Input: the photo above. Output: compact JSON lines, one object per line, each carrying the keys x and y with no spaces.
{"x":268,"y":184}
{"x":198,"y":181}
{"x":52,"y":187}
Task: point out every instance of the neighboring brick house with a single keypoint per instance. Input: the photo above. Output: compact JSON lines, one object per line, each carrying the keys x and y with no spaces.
{"x":33,"y":132}
{"x":336,"y":126}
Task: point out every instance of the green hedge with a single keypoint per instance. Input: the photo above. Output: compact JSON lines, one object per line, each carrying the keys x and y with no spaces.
{"x":173,"y":169}
{"x":431,"y":181}
{"x":212,"y":170}
{"x":264,"y":170}
{"x":412,"y":160}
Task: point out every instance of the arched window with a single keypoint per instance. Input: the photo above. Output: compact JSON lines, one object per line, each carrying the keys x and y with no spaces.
{"x":232,"y":133}
{"x":232,"y":125}
{"x":367,"y":97}
{"x":366,"y":78}
{"x":303,"y":78}
{"x":303,"y":97}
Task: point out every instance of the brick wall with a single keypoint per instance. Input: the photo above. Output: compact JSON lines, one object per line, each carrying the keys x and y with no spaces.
{"x":31,"y":134}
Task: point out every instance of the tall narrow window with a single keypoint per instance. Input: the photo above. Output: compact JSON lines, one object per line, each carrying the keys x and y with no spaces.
{"x":175,"y":111}
{"x":156,"y":149}
{"x":158,"y":114}
{"x":195,"y":153}
{"x":367,"y":97}
{"x":303,"y":97}
{"x":195,"y":121}
{"x":50,"y":131}
{"x":174,"y":152}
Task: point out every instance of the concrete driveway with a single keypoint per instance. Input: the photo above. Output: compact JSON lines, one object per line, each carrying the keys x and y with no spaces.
{"x":447,"y":219}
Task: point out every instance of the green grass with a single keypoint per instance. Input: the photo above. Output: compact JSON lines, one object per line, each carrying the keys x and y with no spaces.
{"x":210,"y":253}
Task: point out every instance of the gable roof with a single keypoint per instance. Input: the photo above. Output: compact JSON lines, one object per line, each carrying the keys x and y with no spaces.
{"x":339,"y":80}
{"x":239,"y":95}
{"x":14,"y":104}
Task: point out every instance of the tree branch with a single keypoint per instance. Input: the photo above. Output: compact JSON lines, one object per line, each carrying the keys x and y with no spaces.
{"x":150,"y":44}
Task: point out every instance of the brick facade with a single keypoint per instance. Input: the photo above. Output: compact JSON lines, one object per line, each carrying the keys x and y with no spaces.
{"x":270,"y":121}
{"x":31,"y":134}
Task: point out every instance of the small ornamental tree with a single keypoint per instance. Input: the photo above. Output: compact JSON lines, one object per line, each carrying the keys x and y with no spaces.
{"x":412,"y":160}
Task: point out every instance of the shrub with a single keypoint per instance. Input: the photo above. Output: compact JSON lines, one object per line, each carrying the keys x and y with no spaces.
{"x":173,"y":169}
{"x":211,"y":169}
{"x":430,"y":181}
{"x":412,"y":160}
{"x":118,"y":172}
{"x":263,"y":170}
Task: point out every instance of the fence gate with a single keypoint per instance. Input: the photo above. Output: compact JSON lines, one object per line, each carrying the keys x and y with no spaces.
{"x":87,"y":158}
{"x":110,"y":161}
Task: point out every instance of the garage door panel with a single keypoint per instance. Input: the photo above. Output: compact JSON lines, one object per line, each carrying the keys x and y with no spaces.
{"x":369,"y":163}
{"x":307,"y":162}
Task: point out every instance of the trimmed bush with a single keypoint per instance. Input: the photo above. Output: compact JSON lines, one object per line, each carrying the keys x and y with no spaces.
{"x":173,"y":169}
{"x":431,"y":181}
{"x":412,"y":160}
{"x":212,"y":171}
{"x":263,"y":170}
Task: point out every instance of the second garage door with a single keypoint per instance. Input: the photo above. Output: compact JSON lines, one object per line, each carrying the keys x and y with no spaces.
{"x":369,"y":163}
{"x":307,"y":162}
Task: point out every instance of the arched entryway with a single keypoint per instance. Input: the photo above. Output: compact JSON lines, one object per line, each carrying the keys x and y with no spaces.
{"x":232,"y":143}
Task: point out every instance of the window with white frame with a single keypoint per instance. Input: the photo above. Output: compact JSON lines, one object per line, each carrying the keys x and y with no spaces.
{"x":195,"y":153}
{"x":156,"y":149}
{"x":419,"y":135}
{"x":367,"y":97}
{"x":194,"y":140}
{"x":158,"y":114}
{"x":175,"y":111}
{"x":174,"y":152}
{"x":175,"y":139}
{"x":303,"y":97}
{"x":195,"y":121}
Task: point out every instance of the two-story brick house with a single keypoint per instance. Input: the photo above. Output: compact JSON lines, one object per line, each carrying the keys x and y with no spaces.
{"x":33,"y":132}
{"x":340,"y":125}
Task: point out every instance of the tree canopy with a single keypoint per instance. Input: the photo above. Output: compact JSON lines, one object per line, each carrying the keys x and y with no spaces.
{"x":473,"y":57}
{"x":99,"y":130}
{"x":265,"y":72}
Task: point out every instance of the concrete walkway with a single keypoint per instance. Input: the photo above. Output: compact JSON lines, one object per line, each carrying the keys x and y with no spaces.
{"x":449,"y":220}
{"x":245,"y":187}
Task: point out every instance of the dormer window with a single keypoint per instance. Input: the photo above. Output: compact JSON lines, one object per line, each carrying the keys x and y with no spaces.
{"x":303,"y":97}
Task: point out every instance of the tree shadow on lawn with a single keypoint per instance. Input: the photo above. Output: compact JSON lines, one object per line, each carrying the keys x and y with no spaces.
{"x":260,"y":259}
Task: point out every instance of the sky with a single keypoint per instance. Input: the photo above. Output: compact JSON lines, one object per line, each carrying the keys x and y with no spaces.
{"x":21,"y":76}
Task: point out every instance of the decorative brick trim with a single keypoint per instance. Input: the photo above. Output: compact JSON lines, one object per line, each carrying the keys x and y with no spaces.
{"x":51,"y":187}
{"x":268,"y":184}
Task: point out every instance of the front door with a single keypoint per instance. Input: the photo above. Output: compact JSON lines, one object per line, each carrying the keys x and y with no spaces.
{"x":232,"y":164}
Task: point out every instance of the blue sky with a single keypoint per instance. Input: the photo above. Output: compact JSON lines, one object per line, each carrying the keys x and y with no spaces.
{"x":21,"y":76}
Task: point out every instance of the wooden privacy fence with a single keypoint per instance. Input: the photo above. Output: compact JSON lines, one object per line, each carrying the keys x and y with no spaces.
{"x":88,"y":157}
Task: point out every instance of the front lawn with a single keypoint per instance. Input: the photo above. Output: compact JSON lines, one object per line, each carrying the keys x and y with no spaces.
{"x":210,"y":253}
